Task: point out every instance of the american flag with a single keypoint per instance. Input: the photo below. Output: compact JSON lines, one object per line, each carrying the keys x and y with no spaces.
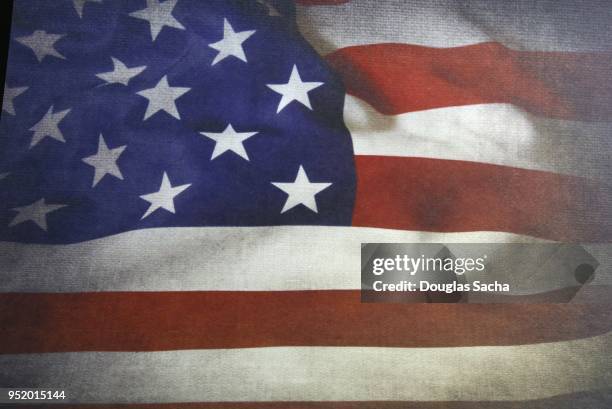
{"x":185,"y":184}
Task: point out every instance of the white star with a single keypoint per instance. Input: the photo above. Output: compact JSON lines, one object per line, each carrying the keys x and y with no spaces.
{"x":120,"y":74}
{"x":162,"y":97}
{"x":48,"y":126}
{"x":42,"y":44}
{"x":158,"y":15}
{"x":35,"y":212}
{"x":9,"y":95}
{"x":231,"y":44}
{"x":301,"y":191}
{"x":79,"y":4}
{"x":229,"y":140}
{"x":294,"y":90}
{"x":105,"y":161}
{"x":164,"y":197}
{"x":269,"y":7}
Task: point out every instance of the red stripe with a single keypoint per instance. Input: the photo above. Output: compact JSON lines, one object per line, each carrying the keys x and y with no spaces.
{"x":451,"y":196}
{"x":591,"y":399}
{"x":398,"y":78}
{"x":195,"y":320}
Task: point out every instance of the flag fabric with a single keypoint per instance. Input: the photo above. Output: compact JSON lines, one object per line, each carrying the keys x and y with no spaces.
{"x":184,"y":187}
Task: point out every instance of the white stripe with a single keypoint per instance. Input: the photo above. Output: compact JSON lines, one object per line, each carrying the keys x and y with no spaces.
{"x":449,"y":23}
{"x":246,"y":259}
{"x":320,"y":373}
{"x":361,"y":22}
{"x":500,"y":134}
{"x":210,"y":258}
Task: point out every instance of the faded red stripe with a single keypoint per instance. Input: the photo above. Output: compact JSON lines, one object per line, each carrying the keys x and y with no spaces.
{"x":155,"y":321}
{"x":452,"y":196}
{"x":399,"y":78}
{"x":320,"y":2}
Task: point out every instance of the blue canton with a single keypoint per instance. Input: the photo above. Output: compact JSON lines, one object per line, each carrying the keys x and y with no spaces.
{"x":130,"y":114}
